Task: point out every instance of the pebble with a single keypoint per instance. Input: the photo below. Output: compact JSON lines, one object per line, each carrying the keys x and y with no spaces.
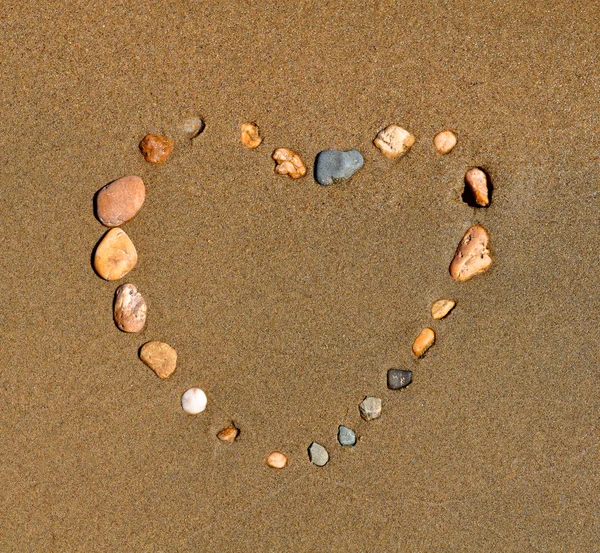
{"x":193,"y":401}
{"x":288,"y":163}
{"x":346,"y":436}
{"x":472,"y":255}
{"x":398,"y":379}
{"x":228,"y":434}
{"x":370,"y":408}
{"x":444,"y":142}
{"x":160,"y":357}
{"x":394,"y":141}
{"x":276,"y":460}
{"x":193,"y":127}
{"x":441,"y":308}
{"x":129,"y":309}
{"x":250,"y":135}
{"x":477,"y":187}
{"x":334,"y":165}
{"x":423,"y":342}
{"x":318,"y":454}
{"x":156,"y":149}
{"x":115,"y":255}
{"x":119,"y":201}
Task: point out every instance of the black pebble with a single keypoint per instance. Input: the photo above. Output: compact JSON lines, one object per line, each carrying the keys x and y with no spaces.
{"x":397,"y":379}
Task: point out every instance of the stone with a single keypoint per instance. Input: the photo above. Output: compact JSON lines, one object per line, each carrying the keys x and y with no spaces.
{"x":441,"y":308}
{"x":337,"y":166}
{"x":250,"y":135}
{"x":192,"y":127}
{"x":477,"y":187}
{"x":346,"y":436}
{"x":129,"y":310}
{"x":318,"y":454}
{"x":115,"y":255}
{"x":398,"y":379}
{"x":193,"y":401}
{"x":394,"y":141}
{"x":160,"y":357}
{"x":276,"y":460}
{"x":472,"y":255}
{"x":370,"y":408}
{"x":423,"y":342}
{"x":120,"y":200}
{"x":156,"y":149}
{"x":288,"y":163}
{"x":445,"y":141}
{"x":228,"y":434}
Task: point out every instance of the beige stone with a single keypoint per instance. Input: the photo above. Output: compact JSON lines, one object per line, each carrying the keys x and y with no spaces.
{"x":160,"y":357}
{"x":277,"y":460}
{"x":445,"y":141}
{"x":394,"y":141}
{"x":119,"y":201}
{"x":288,"y":163}
{"x":115,"y":255}
{"x":477,"y":181}
{"x":156,"y":149}
{"x":441,"y":308}
{"x":472,"y":255}
{"x":228,"y":434}
{"x":129,"y":309}
{"x":250,"y":137}
{"x":423,"y":342}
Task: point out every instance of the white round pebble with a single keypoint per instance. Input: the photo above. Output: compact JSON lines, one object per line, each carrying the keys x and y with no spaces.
{"x":193,"y":401}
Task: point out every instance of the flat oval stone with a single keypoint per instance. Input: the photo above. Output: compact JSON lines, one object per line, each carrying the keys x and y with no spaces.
{"x":115,"y":255}
{"x":423,"y":342}
{"x":334,"y":165}
{"x":441,"y":308}
{"x":119,"y":201}
{"x":346,"y":436}
{"x":398,"y":379}
{"x":160,"y":357}
{"x":130,"y":309}
{"x":318,"y":454}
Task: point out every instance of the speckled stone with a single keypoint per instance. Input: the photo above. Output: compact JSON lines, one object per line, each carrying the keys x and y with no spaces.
{"x":318,"y":454}
{"x":346,"y":436}
{"x":370,"y":408}
{"x":398,"y":379}
{"x":334,"y":165}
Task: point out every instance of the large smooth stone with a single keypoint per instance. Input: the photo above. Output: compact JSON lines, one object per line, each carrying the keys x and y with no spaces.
{"x":334,"y":165}
{"x":115,"y":255}
{"x":119,"y":201}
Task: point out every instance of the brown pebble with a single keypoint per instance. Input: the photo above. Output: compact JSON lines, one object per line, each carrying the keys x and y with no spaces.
{"x":394,"y":141}
{"x":477,"y":181}
{"x":115,"y":255}
{"x":156,"y":149}
{"x":288,"y":163}
{"x":160,"y":357}
{"x":472,"y":255}
{"x":130,"y":309}
{"x":228,"y":434}
{"x":119,"y":201}
{"x":444,"y":142}
{"x":250,"y":136}
{"x":423,"y":342}
{"x":441,"y":308}
{"x":277,"y":460}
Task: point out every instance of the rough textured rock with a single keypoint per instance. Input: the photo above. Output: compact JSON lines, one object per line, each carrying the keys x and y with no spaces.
{"x":228,"y":434}
{"x":288,"y":163}
{"x":129,"y":309}
{"x":441,"y":308}
{"x":156,"y":149}
{"x":370,"y":408}
{"x":394,"y":141}
{"x":398,"y":379}
{"x":346,"y":436}
{"x":119,"y":201}
{"x":445,"y":141}
{"x":160,"y":357}
{"x":477,"y":184}
{"x":115,"y":255}
{"x":472,"y":255}
{"x":250,"y":135}
{"x":423,"y":342}
{"x":334,"y":165}
{"x":318,"y":454}
{"x":276,"y":460}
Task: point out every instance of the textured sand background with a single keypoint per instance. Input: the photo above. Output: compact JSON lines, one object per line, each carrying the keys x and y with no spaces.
{"x":287,"y":301}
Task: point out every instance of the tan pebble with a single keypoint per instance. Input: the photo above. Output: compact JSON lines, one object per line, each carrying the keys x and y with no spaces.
{"x":129,"y":309}
{"x":119,"y":201}
{"x":472,"y":255}
{"x":441,"y":308}
{"x":160,"y":357}
{"x":423,"y":342}
{"x":228,"y":434}
{"x":250,"y":137}
{"x":444,"y":142}
{"x":394,"y":141}
{"x":156,"y":149}
{"x":115,"y":255}
{"x":277,"y":460}
{"x":288,"y":163}
{"x":477,"y":181}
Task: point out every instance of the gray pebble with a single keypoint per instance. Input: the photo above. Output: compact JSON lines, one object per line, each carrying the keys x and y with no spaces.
{"x":193,"y":127}
{"x":370,"y":408}
{"x":318,"y":454}
{"x":346,"y":436}
{"x":397,"y":379}
{"x":335,"y":165}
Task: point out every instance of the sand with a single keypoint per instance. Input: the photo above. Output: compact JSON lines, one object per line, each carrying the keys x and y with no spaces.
{"x":287,"y":302}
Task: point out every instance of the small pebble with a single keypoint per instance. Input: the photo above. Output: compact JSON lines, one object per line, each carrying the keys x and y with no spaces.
{"x":318,"y":454}
{"x":423,"y":342}
{"x":228,"y":434}
{"x":398,"y":379}
{"x":472,"y":255}
{"x":346,"y":436}
{"x":334,"y":165}
{"x":441,"y":308}
{"x":477,"y":189}
{"x":193,"y":127}
{"x":129,"y":309}
{"x":250,"y":137}
{"x":156,"y":149}
{"x":394,"y":141}
{"x":445,"y":141}
{"x":115,"y":255}
{"x":119,"y":201}
{"x":288,"y":163}
{"x":370,"y":408}
{"x":277,"y":460}
{"x":160,"y":357}
{"x":193,"y":401}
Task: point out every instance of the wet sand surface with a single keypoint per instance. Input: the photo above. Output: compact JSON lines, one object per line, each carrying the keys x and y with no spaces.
{"x":287,"y":302}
